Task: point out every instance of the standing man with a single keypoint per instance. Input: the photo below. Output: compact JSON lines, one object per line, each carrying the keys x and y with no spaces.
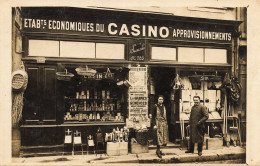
{"x":159,"y":123}
{"x":198,"y":116}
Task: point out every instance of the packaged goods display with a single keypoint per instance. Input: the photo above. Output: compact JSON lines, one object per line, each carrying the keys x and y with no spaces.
{"x":88,"y":100}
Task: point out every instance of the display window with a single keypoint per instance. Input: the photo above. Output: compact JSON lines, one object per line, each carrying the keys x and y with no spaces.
{"x":94,"y":98}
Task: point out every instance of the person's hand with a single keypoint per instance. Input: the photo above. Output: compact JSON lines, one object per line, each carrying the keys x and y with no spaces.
{"x":155,"y":127}
{"x":188,"y":127}
{"x":198,"y":124}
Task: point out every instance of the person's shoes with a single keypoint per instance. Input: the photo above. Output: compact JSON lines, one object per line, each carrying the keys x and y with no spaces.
{"x":188,"y":151}
{"x":163,"y":154}
{"x":158,"y":154}
{"x":200,"y":153}
{"x":235,"y":143}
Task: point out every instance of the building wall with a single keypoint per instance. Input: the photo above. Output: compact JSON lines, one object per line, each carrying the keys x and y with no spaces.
{"x":222,"y":13}
{"x":242,"y":16}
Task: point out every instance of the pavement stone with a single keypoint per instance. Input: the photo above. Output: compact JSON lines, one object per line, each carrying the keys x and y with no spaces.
{"x":173,"y":155}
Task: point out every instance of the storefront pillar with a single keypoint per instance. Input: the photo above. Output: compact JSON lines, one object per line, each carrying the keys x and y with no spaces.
{"x":16,"y":62}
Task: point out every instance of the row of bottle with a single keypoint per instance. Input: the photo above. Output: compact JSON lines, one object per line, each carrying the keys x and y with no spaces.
{"x":93,"y":116}
{"x":95,"y":106}
{"x":117,"y":135}
{"x":93,"y":94}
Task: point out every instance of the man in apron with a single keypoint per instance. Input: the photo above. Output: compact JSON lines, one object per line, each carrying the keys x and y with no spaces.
{"x":198,"y":116}
{"x":159,"y":123}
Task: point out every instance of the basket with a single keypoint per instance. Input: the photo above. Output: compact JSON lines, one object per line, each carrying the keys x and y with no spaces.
{"x":85,"y":71}
{"x":142,"y":137}
{"x":64,"y":76}
{"x":215,"y":79}
{"x":19,"y":80}
{"x":195,"y":78}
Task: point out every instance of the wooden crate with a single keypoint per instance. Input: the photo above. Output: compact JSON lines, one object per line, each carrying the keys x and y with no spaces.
{"x":215,"y":143}
{"x":123,"y":148}
{"x":137,"y":148}
{"x":113,"y":149}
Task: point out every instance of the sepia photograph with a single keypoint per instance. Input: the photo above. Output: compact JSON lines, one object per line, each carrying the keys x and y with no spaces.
{"x":128,"y":85}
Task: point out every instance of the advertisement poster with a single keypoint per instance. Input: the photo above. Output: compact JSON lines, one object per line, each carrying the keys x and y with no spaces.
{"x":138,"y":97}
{"x":138,"y":79}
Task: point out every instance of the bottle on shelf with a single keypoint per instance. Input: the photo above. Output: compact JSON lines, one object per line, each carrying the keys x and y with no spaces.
{"x":108,"y":94}
{"x":103,"y":94}
{"x":87,"y":94}
{"x":77,"y":95}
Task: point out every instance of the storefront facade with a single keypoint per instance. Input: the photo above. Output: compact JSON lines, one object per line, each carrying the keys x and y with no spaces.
{"x":146,"y":54}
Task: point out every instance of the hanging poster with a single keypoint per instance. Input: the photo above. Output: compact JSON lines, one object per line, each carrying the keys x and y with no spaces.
{"x":138,"y":79}
{"x":138,"y":98}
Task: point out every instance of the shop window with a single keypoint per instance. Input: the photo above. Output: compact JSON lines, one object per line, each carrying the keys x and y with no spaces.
{"x":109,"y":51}
{"x":215,"y":56}
{"x":46,"y":48}
{"x":163,"y":53}
{"x":190,"y":54}
{"x":77,"y":49}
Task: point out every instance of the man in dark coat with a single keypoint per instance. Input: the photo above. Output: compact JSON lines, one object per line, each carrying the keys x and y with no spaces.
{"x":198,"y":116}
{"x":159,"y":123}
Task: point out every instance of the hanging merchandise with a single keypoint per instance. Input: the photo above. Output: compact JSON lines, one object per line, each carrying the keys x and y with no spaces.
{"x":177,"y":83}
{"x":108,"y":75}
{"x":19,"y":79}
{"x":233,"y":87}
{"x":86,"y":71}
{"x":126,"y":83}
{"x":186,"y":83}
{"x":19,"y":84}
{"x":64,"y":76}
{"x":196,"y":81}
{"x":215,"y":78}
{"x":227,"y":81}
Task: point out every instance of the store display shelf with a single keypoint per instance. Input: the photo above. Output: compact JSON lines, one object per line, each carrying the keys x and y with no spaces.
{"x":89,"y":99}
{"x":77,"y":123}
{"x":93,"y":111}
{"x":208,"y":121}
{"x":92,"y":123}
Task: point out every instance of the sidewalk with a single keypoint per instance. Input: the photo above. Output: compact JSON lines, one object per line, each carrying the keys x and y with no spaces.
{"x":173,"y":155}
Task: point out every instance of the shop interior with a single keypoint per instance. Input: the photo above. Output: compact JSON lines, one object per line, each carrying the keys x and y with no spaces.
{"x":179,"y":86}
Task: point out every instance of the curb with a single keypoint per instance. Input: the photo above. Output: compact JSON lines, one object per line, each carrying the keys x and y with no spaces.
{"x":188,"y":159}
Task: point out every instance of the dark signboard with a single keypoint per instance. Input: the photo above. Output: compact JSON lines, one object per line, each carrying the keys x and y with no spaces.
{"x":137,"y":50}
{"x":103,"y":23}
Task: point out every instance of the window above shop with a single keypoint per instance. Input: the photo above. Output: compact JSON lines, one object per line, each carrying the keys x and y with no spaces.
{"x":77,"y":49}
{"x":71,"y":49}
{"x":46,"y":48}
{"x":215,"y":56}
{"x":163,"y":53}
{"x":110,"y":51}
{"x":186,"y":54}
{"x":189,"y":54}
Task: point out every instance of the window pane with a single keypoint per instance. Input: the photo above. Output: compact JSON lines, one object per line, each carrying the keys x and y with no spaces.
{"x":163,"y":53}
{"x":46,"y":48}
{"x":215,"y":55}
{"x":190,"y":54}
{"x":77,"y":49}
{"x":110,"y":51}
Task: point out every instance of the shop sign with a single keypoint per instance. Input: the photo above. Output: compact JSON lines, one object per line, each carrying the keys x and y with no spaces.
{"x":137,"y":50}
{"x":41,"y":59}
{"x":100,"y":76}
{"x":111,"y":27}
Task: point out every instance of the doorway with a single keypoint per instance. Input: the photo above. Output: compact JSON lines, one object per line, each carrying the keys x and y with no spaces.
{"x":162,"y":78}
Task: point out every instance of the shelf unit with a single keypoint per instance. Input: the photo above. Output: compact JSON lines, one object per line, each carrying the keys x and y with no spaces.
{"x":94,"y":101}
